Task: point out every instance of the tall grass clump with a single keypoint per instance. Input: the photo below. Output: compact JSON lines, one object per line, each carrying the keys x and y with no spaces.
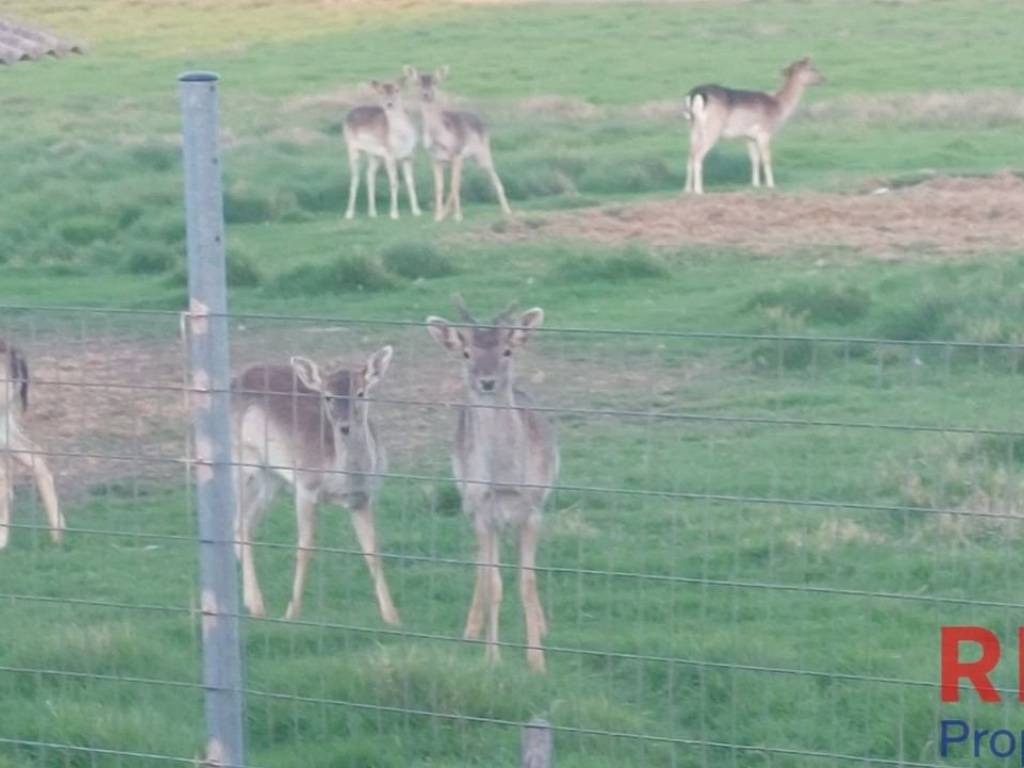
{"x":922,"y":320}
{"x":345,"y":273}
{"x":417,"y":260}
{"x":631,"y":263}
{"x":836,"y":305}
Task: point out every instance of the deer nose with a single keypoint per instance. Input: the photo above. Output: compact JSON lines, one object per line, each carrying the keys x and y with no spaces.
{"x":487,"y":385}
{"x":344,"y":430}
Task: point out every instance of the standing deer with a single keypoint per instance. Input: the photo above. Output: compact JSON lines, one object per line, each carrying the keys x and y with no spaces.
{"x":311,"y":430}
{"x":505,"y":461}
{"x":715,"y":111}
{"x":451,"y":137}
{"x":381,"y":132}
{"x":16,"y":447}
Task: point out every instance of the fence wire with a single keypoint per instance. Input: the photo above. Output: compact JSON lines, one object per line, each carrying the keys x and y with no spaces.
{"x":745,"y":558}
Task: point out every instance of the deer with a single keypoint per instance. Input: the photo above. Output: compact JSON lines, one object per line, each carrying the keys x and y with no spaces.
{"x":451,"y":137}
{"x":382,"y":131}
{"x":311,"y":430}
{"x":505,"y":462}
{"x":715,"y":111}
{"x":17,"y":448}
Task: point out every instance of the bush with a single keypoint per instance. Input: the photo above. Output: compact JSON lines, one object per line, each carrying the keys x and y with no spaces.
{"x":633,"y":263}
{"x":242,"y":207}
{"x":344,"y":274}
{"x":415,"y":260}
{"x":149,"y":259}
{"x":83,"y":230}
{"x":242,"y":270}
{"x":817,"y":303}
{"x":929,"y":318}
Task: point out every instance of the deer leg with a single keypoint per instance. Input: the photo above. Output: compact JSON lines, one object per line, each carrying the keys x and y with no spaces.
{"x":439,"y":209}
{"x":305,"y":518}
{"x":5,"y":501}
{"x":487,"y":164}
{"x":455,"y":194}
{"x":698,"y":169}
{"x":253,"y":496}
{"x":475,"y":619}
{"x":766,"y":158}
{"x":533,"y":611}
{"x":690,"y":154}
{"x":29,"y":455}
{"x":755,"y":163}
{"x":493,"y":598}
{"x":372,"y":164}
{"x":353,"y":183}
{"x":362,"y":521}
{"x":410,"y":187}
{"x":389,"y":166}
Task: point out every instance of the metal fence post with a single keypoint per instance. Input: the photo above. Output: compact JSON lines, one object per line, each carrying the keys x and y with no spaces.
{"x":537,"y":746}
{"x":211,"y":421}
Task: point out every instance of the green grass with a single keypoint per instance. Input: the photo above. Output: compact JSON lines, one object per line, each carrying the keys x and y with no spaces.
{"x":663,"y":592}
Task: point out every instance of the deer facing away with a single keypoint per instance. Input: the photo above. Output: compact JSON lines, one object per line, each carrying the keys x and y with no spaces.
{"x":17,"y":448}
{"x":381,"y":132}
{"x":451,"y":137}
{"x":505,"y":461}
{"x":312,"y":431}
{"x":715,"y":112}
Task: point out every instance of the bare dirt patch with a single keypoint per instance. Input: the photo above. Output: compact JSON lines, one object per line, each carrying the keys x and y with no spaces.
{"x":940,"y":216}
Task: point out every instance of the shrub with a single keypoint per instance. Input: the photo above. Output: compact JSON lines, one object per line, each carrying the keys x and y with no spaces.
{"x":929,"y":318}
{"x":817,"y":303}
{"x":83,"y":230}
{"x":150,"y":258}
{"x":244,"y":207}
{"x":415,"y":260}
{"x":633,"y":263}
{"x":242,"y":270}
{"x":344,"y":274}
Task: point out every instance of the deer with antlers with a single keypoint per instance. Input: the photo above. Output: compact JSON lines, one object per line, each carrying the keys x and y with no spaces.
{"x":715,"y":112}
{"x":451,"y":136}
{"x":312,"y":430}
{"x":505,"y":462}
{"x":382,"y":131}
{"x":17,"y":448}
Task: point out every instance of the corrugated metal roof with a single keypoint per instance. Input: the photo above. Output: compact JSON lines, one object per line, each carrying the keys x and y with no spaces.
{"x":21,"y":43}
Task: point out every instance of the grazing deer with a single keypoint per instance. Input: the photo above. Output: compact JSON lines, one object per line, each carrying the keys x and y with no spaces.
{"x":381,"y":132}
{"x":505,"y":462}
{"x":311,"y":430}
{"x":714,"y":111}
{"x":451,"y":137}
{"x":15,"y":445}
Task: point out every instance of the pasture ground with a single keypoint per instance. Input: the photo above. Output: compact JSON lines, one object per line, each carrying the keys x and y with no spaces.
{"x":725,"y":626}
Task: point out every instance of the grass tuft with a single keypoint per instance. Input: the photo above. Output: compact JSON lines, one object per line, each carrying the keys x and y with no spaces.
{"x":343,"y":274}
{"x":417,"y":259}
{"x":836,"y":305}
{"x":633,"y":263}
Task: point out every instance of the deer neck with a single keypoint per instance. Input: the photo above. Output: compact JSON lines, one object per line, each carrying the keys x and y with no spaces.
{"x":788,"y":96}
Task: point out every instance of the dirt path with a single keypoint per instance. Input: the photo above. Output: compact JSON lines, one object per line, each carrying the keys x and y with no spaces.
{"x":940,"y":216}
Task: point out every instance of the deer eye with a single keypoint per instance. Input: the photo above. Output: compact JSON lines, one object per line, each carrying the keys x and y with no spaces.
{"x":360,"y":393}
{"x":465,"y":353}
{"x":507,"y":353}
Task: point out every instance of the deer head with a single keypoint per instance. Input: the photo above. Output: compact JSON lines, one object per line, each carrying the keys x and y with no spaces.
{"x":344,"y":392}
{"x":487,"y":349}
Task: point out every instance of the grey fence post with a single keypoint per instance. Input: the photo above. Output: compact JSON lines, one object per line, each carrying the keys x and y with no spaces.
{"x":211,"y":421}
{"x":537,"y":744}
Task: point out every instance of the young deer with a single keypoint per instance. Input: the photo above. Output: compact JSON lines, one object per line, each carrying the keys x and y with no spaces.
{"x":505,"y":462}
{"x":381,"y":132}
{"x":311,"y":430}
{"x":451,"y":137}
{"x":714,"y":111}
{"x":16,"y":447}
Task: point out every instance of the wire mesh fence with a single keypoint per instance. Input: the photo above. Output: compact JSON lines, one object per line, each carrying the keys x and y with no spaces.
{"x":746,"y":557}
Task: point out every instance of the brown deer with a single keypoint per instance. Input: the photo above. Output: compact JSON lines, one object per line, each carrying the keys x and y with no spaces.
{"x":382,"y":132}
{"x":505,"y":461}
{"x":451,"y":137}
{"x":17,"y":448}
{"x":311,"y":430}
{"x":715,"y":111}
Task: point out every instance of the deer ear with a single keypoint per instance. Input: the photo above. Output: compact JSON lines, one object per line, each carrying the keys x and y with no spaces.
{"x":441,"y":73}
{"x":528,"y":322}
{"x":376,"y":85}
{"x":410,"y":72}
{"x":308,"y":373}
{"x":377,"y":365}
{"x":444,"y":334}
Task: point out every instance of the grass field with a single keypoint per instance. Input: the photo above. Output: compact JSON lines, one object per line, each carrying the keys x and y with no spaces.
{"x":748,"y":563}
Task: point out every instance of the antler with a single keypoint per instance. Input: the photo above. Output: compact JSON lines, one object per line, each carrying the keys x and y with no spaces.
{"x":460,"y":305}
{"x":506,"y":313}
